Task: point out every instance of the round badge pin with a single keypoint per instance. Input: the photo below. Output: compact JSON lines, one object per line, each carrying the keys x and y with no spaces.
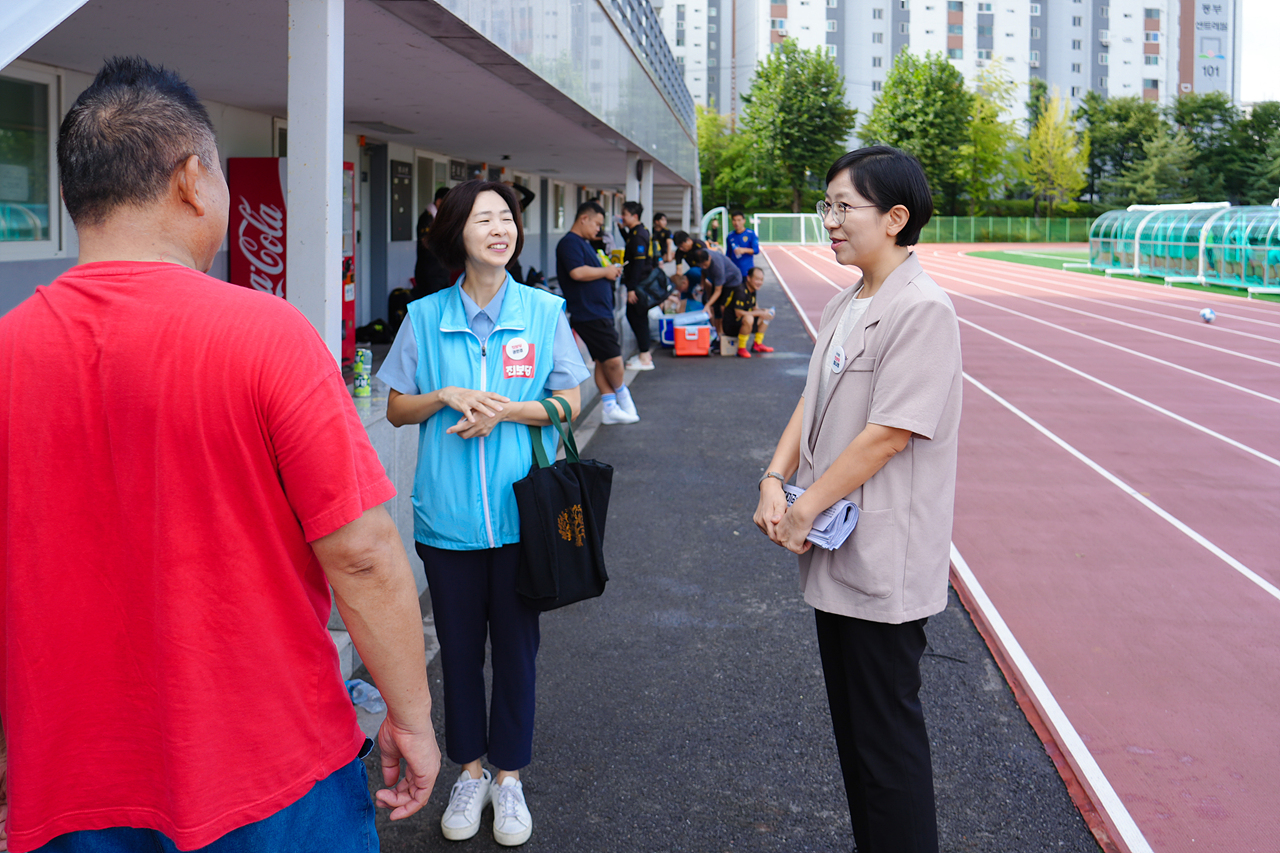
{"x":837,"y":360}
{"x":517,"y":348}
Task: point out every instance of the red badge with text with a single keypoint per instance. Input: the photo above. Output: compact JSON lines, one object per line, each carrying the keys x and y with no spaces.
{"x":517,"y":359}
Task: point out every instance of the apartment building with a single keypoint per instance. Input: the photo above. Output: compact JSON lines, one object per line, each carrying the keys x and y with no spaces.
{"x":1155,"y":49}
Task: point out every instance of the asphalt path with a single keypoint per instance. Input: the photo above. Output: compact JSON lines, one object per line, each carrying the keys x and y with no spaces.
{"x":685,"y":709}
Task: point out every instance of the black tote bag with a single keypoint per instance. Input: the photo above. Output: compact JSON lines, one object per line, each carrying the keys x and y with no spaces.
{"x":562,"y":507}
{"x":655,"y":286}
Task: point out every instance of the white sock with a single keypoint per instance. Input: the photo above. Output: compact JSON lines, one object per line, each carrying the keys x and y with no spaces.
{"x":624,"y":396}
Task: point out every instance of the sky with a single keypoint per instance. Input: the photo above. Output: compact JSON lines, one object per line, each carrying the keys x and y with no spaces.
{"x":1260,"y":59}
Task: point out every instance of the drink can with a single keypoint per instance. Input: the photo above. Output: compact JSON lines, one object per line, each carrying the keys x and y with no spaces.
{"x":362,"y":367}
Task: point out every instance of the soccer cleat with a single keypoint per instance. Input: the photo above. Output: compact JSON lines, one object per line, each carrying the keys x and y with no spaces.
{"x":761,"y":348}
{"x":743,"y":352}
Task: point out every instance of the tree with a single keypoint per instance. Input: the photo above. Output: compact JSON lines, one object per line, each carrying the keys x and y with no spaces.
{"x":924,"y":109}
{"x":1255,"y":135}
{"x":714,"y":141}
{"x":797,"y":117}
{"x":1162,"y":176}
{"x":1056,"y":154}
{"x":1039,"y":90}
{"x":991,"y":158}
{"x":1119,"y":129}
{"x":1209,"y":121}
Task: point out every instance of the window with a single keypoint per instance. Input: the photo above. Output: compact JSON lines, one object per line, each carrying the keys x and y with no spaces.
{"x":1104,"y":11}
{"x":1150,"y":83}
{"x":679,"y":8}
{"x":711,"y":61}
{"x":904,"y":28}
{"x":877,"y":62}
{"x":1151,"y":13}
{"x":1035,"y":32}
{"x":831,"y":26}
{"x":984,"y":7}
{"x":1104,"y":36}
{"x":711,"y":45}
{"x":1151,"y":37}
{"x":831,"y":50}
{"x":680,"y":43}
{"x":957,"y":29}
{"x":777,"y":23}
{"x":877,"y":38}
{"x":711,"y":28}
{"x":1102,"y":59}
{"x":1102,"y":82}
{"x":986,"y":30}
{"x":1151,"y":60}
{"x":1077,"y":91}
{"x":680,"y":60}
{"x":1035,"y":58}
{"x":29,"y":211}
{"x":955,"y":5}
{"x":679,"y":25}
{"x":984,"y":54}
{"x":1075,"y":68}
{"x":1076,"y":44}
{"x":833,"y":4}
{"x":877,"y":14}
{"x":1077,"y":21}
{"x":876,"y":85}
{"x":712,"y":12}
{"x":955,"y":53}
{"x":904,"y":5}
{"x":1035,"y":9}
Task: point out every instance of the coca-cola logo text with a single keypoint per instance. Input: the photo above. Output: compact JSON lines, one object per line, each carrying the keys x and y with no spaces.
{"x":263,"y":250}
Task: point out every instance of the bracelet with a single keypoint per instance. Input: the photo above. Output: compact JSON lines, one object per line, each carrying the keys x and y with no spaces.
{"x":781,"y":479}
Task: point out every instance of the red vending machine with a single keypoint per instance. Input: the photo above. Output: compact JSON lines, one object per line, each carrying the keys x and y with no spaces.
{"x":257,"y":227}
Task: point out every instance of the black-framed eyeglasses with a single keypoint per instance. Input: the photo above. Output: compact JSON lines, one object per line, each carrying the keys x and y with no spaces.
{"x":838,"y":210}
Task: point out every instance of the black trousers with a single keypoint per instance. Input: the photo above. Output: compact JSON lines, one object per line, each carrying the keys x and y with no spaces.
{"x":873,"y":686}
{"x":638,"y":317}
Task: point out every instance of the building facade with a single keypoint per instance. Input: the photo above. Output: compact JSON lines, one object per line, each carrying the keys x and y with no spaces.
{"x":1154,"y":49}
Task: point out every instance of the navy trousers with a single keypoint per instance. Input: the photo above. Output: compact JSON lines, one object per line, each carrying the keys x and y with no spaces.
{"x":873,"y":685}
{"x":473,"y":598}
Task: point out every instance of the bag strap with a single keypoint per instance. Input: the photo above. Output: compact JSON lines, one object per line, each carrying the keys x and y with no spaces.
{"x":565,"y":430}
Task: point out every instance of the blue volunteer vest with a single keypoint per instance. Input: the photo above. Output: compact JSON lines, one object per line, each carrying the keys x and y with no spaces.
{"x":462,"y":496}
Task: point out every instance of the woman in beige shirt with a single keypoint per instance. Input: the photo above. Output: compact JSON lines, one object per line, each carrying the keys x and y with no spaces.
{"x":877,"y":425}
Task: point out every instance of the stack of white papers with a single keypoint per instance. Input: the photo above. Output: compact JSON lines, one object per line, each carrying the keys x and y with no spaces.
{"x":833,"y":525}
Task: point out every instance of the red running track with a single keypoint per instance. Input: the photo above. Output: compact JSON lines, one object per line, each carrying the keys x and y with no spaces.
{"x":1117,"y":528}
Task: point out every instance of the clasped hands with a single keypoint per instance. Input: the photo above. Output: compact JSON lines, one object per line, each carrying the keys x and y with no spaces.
{"x":787,"y":526}
{"x":481,"y":411}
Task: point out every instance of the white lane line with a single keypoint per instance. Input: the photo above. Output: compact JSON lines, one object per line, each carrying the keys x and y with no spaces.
{"x":1169,"y":294}
{"x":1068,"y":738}
{"x":813,"y":333}
{"x":812,"y":270}
{"x":1231,"y":561}
{"x":1112,"y":320}
{"x":1190,"y":371}
{"x":1135,"y":398}
{"x":1008,"y":279}
{"x":1124,"y":349}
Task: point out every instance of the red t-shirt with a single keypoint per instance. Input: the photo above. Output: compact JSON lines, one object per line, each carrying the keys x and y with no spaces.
{"x":173,"y":443}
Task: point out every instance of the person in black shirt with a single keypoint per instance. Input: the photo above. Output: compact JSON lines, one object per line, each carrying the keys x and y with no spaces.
{"x":685,"y":244}
{"x":663,"y":250}
{"x":742,"y":318}
{"x":429,"y":275}
{"x":636,"y":264}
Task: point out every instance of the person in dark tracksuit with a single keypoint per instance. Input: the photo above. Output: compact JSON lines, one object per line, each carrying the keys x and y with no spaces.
{"x":637,"y":262}
{"x":470,"y":365}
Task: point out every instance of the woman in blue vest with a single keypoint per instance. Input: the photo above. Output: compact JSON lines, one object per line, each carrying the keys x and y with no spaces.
{"x":469,"y":366}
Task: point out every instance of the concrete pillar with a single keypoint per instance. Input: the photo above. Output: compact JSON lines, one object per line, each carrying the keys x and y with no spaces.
{"x":646,"y":189}
{"x":313,"y":278}
{"x":686,"y":210}
{"x":633,"y":181}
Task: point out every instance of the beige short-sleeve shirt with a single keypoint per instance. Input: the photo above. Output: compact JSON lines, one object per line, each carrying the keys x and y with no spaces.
{"x":901,"y":368}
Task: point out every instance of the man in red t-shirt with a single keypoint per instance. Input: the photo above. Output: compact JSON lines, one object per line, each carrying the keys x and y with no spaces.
{"x":176,"y":500}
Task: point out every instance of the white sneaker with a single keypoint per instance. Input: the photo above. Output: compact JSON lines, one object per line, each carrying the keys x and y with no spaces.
{"x":512,"y":823}
{"x":628,"y":403}
{"x":466,"y":803}
{"x":615,"y":414}
{"x":634,"y":363}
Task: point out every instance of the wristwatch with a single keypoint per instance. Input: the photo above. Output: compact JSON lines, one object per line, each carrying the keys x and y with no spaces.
{"x":781,"y":479}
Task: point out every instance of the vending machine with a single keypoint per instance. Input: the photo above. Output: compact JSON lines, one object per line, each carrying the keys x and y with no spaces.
{"x":257,"y":227}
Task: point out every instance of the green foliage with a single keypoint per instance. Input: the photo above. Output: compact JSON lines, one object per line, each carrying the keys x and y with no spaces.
{"x":992,"y":157}
{"x":1057,"y":155}
{"x":1209,"y":121}
{"x":1162,"y":176}
{"x":924,"y":109}
{"x":796,"y":117}
{"x":1039,"y":90}
{"x":1118,"y":129}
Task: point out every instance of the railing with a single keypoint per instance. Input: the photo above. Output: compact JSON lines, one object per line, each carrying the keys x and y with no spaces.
{"x":807,"y":228}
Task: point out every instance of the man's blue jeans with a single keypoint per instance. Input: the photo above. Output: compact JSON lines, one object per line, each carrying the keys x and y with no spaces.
{"x":335,"y":816}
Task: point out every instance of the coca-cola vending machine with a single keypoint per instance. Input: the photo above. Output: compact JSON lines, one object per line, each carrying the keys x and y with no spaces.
{"x":257,"y":230}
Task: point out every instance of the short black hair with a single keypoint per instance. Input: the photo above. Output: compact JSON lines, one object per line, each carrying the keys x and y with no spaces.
{"x":635,"y":208}
{"x":441,"y":192}
{"x":658,"y":216}
{"x":698,"y":256}
{"x":126,"y":134}
{"x":734,"y":213}
{"x":588,"y":207}
{"x":445,"y":239}
{"x":754,"y":270}
{"x":887,"y":177}
{"x":679,"y":237}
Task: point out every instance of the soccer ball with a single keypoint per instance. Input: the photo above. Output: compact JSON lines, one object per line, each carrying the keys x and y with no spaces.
{"x":1207,"y":314}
